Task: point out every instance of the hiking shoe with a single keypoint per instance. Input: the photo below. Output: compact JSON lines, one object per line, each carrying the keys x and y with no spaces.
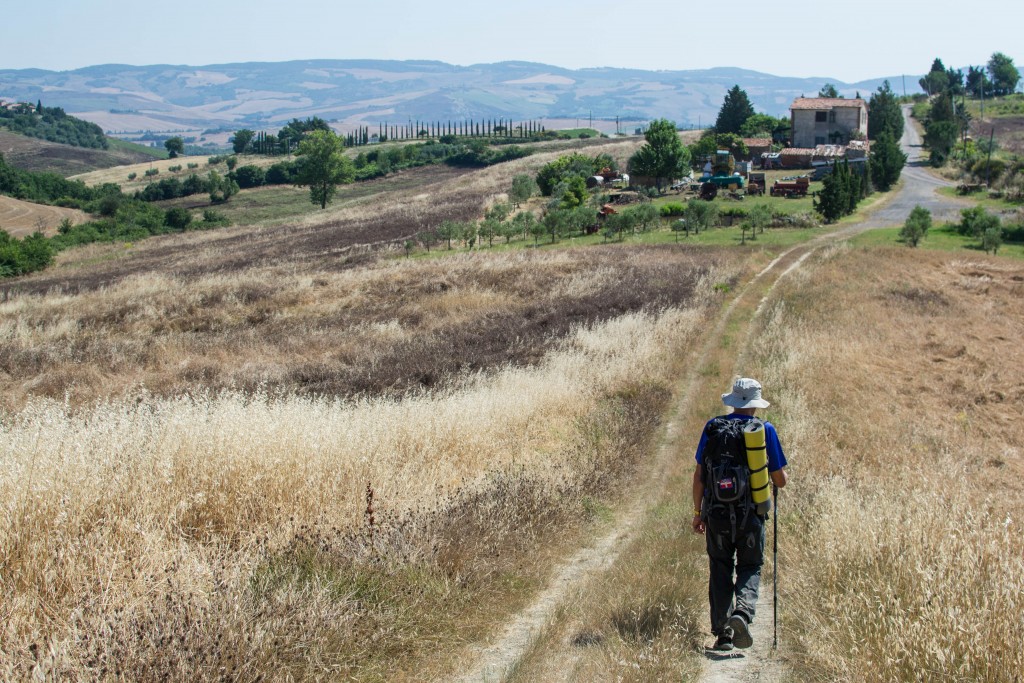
{"x":740,"y":633}
{"x":723,"y":644}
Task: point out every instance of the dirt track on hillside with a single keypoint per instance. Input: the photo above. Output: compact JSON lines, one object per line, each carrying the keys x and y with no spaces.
{"x":757,"y":664}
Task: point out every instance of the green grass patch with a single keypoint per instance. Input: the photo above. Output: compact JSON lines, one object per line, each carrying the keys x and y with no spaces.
{"x":941,"y":238}
{"x":576,"y":133}
{"x":126,"y":146}
{"x":999,"y":107}
{"x":983,"y":199}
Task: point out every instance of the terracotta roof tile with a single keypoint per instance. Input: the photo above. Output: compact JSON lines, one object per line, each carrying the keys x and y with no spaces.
{"x":825,"y":103}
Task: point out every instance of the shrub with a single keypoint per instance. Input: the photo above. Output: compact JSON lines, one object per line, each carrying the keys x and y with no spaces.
{"x":212,"y":217}
{"x":249,"y":176}
{"x":132,"y":176}
{"x":192,"y":165}
{"x":150,"y":172}
{"x":281,"y":173}
{"x":177,"y":218}
{"x":174,"y":169}
{"x":672,"y":209}
{"x":988,"y":168}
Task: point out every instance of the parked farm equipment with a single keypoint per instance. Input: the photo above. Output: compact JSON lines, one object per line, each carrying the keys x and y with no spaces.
{"x":796,"y":187}
{"x":756,"y":183}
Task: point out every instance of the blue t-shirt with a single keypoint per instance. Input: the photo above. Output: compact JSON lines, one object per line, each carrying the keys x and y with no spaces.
{"x":776,"y":458}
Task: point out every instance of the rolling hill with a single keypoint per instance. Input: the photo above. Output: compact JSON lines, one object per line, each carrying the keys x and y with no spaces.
{"x":32,"y":154}
{"x":206,"y":100}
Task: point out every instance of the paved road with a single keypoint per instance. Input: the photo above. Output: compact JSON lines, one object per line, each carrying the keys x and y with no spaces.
{"x":919,"y":187}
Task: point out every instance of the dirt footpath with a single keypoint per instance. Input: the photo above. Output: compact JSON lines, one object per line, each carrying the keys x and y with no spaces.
{"x":20,"y":218}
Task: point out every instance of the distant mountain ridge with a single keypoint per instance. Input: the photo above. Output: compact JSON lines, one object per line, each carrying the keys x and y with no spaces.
{"x":265,"y":95}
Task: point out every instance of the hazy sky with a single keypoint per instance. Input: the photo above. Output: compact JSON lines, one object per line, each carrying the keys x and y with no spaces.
{"x":845,"y":41}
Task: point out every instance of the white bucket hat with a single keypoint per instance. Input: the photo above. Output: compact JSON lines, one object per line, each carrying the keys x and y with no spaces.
{"x":746,"y":393}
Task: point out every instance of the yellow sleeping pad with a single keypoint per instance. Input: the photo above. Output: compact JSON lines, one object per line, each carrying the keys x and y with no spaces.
{"x":757,"y":461}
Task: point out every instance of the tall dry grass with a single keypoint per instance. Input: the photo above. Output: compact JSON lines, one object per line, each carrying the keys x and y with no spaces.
{"x":268,"y":535}
{"x":387,"y":328}
{"x":893,"y":374}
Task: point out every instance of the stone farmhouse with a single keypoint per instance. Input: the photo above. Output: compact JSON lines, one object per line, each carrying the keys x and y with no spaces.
{"x":827,"y":121}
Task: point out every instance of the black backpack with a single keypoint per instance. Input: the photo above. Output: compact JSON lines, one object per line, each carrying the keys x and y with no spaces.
{"x":726,"y":476}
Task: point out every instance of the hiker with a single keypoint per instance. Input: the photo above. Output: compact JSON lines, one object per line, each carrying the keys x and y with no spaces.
{"x":734,"y":531}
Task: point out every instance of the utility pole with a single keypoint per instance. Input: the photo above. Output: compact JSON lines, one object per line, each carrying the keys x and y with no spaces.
{"x":904,"y":77}
{"x":988,"y":164}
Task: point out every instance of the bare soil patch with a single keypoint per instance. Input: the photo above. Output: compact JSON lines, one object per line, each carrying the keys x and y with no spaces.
{"x":1009,"y":132}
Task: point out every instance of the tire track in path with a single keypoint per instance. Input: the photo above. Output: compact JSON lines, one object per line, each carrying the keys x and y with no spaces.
{"x":494,"y":661}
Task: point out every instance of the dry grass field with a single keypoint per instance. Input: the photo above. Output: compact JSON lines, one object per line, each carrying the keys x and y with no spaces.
{"x":898,"y":388}
{"x":118,"y":175}
{"x":20,"y":218}
{"x":296,"y":531}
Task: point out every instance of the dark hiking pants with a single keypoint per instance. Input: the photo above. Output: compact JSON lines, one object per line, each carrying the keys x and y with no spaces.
{"x":744,"y":557}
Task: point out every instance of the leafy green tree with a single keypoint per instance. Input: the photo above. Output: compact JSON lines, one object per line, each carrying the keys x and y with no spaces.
{"x":523,"y":187}
{"x":323,"y":166}
{"x":679,"y":225}
{"x":663,"y":156}
{"x":735,"y":111}
{"x":834,"y":199}
{"x":249,"y":176}
{"x":177,"y":218}
{"x":556,"y":223}
{"x":992,"y":239}
{"x":764,"y":126}
{"x":240,"y":142}
{"x":977,"y":83}
{"x":448,"y":231}
{"x":1003,"y":73}
{"x":537,"y":229}
{"x":221,"y":188}
{"x":563,"y":168}
{"x":885,"y":113}
{"x":759,"y":217}
{"x":941,"y":129}
{"x":936,"y":80}
{"x":916,"y":226}
{"x":293,"y":132}
{"x":175,"y":146}
{"x":710,"y":142}
{"x":427,"y":238}
{"x":488,"y":229}
{"x":701,"y":215}
{"x":976,"y":221}
{"x":645,"y":216}
{"x":829,"y":90}
{"x":886,"y":162}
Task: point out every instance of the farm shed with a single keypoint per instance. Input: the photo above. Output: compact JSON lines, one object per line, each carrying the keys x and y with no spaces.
{"x":756,"y":147}
{"x":796,"y":157}
{"x":828,"y":120}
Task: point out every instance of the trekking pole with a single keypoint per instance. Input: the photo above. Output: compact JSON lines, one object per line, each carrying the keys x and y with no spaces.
{"x":775,"y":568}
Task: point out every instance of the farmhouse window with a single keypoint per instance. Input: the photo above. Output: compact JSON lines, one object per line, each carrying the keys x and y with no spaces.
{"x":832,"y":116}
{"x":819,"y":139}
{"x":820,"y":117}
